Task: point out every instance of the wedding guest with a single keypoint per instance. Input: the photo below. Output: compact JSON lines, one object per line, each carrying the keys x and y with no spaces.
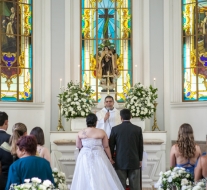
{"x":4,"y":137}
{"x":201,"y":169}
{"x":6,"y":158}
{"x":128,"y":141}
{"x":41,"y":150}
{"x":29,"y":165}
{"x":94,"y":168}
{"x":185,"y":152}
{"x":18,"y":130}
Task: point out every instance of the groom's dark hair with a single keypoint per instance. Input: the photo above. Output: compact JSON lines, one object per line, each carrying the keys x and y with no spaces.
{"x":125,"y":114}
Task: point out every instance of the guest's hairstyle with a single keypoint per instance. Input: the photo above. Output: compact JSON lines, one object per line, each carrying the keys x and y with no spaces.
{"x":28,"y":143}
{"x":91,"y":120}
{"x":125,"y":114}
{"x":3,"y":118}
{"x":186,"y":143}
{"x":18,"y":130}
{"x":111,"y":97}
{"x":39,"y":135}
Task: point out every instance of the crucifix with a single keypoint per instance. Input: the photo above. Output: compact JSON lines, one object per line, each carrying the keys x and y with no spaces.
{"x":106,"y":17}
{"x":108,"y":76}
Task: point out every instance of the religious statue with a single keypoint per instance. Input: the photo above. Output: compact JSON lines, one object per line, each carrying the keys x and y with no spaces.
{"x":10,"y":28}
{"x":107,"y":66}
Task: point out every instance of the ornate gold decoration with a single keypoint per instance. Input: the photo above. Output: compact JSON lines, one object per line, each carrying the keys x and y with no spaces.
{"x":126,"y":88}
{"x":126,"y":17}
{"x":93,"y":3}
{"x":22,"y":60}
{"x":155,"y":126}
{"x":27,"y":15}
{"x":60,"y":126}
{"x":86,"y":18}
{"x":187,"y":16}
{"x":27,"y":85}
{"x":205,"y":83}
{"x":120,"y":62}
{"x":92,"y":65}
{"x":192,"y":93}
{"x":9,"y":82}
{"x":2,"y":95}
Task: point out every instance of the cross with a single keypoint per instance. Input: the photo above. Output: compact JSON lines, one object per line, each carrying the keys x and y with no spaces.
{"x":108,"y":76}
{"x":106,"y":17}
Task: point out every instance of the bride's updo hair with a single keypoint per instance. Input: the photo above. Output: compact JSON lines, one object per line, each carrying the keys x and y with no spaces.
{"x":186,"y":143}
{"x":91,"y":120}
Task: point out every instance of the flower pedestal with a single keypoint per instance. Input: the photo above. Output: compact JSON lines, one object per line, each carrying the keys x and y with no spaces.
{"x":77,"y":124}
{"x":137,"y":121}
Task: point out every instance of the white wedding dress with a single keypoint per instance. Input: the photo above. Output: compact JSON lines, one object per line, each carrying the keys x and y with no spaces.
{"x":93,"y":169}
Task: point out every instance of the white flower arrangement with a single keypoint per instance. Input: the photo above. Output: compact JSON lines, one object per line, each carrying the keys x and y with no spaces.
{"x":140,"y":101}
{"x":200,"y":185}
{"x":33,"y":184}
{"x":60,"y":179}
{"x":175,"y":177}
{"x":76,"y":101}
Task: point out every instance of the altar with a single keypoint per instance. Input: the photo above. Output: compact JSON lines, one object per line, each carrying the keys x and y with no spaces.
{"x":63,"y":147}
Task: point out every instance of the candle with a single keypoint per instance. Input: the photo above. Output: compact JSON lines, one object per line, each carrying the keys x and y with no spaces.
{"x":60,"y":84}
{"x":154,"y":82}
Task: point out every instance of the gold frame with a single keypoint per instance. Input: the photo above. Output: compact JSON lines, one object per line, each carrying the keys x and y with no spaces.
{"x":95,"y":7}
{"x":20,"y":57}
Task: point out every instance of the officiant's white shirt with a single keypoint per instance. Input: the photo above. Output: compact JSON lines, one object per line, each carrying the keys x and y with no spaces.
{"x":112,"y":121}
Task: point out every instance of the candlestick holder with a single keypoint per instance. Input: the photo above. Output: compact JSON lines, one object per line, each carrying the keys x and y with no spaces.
{"x":60,"y":120}
{"x":155,"y":126}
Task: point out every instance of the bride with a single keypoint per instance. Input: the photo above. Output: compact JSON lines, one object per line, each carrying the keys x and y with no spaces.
{"x":94,"y":170}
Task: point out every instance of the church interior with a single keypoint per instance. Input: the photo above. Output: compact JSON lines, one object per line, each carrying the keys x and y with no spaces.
{"x":161,"y":43}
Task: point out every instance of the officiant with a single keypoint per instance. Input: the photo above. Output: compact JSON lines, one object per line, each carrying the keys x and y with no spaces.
{"x":108,"y":116}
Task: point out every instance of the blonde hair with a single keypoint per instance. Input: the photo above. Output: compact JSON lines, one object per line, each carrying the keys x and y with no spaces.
{"x":18,"y":130}
{"x":186,"y":143}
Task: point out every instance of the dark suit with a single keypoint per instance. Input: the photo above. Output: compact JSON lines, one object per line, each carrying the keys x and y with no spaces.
{"x":4,"y":137}
{"x":127,"y":139}
{"x":6,"y":159}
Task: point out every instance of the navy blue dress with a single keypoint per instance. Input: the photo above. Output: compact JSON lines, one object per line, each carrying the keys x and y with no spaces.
{"x":27,"y":168}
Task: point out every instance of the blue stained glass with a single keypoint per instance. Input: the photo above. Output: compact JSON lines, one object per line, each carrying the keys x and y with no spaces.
{"x":106,"y":28}
{"x":16,"y":78}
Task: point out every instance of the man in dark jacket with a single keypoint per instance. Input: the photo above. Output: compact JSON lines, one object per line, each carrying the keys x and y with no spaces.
{"x":4,"y":137}
{"x":6,"y":158}
{"x":127,"y":139}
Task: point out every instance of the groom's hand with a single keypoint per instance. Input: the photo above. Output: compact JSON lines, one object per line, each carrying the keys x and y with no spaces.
{"x":140,"y":164}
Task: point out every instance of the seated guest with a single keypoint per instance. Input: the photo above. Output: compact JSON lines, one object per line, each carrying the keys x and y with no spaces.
{"x":185,"y":152}
{"x":18,"y":130}
{"x":201,"y":169}
{"x":41,"y":150}
{"x":29,"y":165}
{"x":6,"y":158}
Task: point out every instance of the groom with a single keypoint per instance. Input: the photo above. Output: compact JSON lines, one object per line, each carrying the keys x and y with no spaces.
{"x":128,"y":141}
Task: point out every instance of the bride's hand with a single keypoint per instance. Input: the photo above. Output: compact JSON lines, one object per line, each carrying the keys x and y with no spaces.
{"x":112,"y":161}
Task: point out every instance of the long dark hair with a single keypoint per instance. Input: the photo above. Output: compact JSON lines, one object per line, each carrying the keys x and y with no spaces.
{"x":186,"y":143}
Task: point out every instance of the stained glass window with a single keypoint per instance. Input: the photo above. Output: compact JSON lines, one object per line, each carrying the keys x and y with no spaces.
{"x":106,"y":46}
{"x":16,"y":50}
{"x":194,"y":24}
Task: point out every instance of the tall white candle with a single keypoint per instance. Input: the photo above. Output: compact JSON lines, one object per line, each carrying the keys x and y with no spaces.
{"x":154,"y":82}
{"x":60,"y":83}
